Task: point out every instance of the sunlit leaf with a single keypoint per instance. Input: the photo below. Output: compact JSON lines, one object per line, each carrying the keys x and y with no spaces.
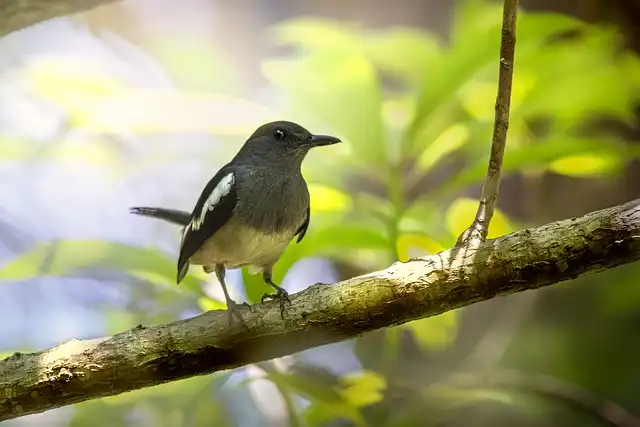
{"x":69,"y":78}
{"x":472,"y":17}
{"x":461,"y":213}
{"x":313,"y":390}
{"x":363,"y":388}
{"x":540,"y":154}
{"x":436,"y":332}
{"x":315,"y":34}
{"x":406,"y":52}
{"x":409,"y":243}
{"x":449,"y":141}
{"x":195,"y":63}
{"x":589,"y":61}
{"x":341,"y":89}
{"x":586,"y":165}
{"x":479,"y":96}
{"x":327,"y":199}
{"x":119,"y":320}
{"x":208,"y":304}
{"x":343,"y":236}
{"x":330,"y":398}
{"x":67,"y":257}
{"x":316,"y":415}
{"x":473,"y":53}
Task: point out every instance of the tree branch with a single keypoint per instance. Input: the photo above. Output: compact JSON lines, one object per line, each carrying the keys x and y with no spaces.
{"x":19,"y":14}
{"x":478,"y":230}
{"x":142,"y":357}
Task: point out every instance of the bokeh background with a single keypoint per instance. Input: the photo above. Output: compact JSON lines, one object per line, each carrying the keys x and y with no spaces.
{"x":140,"y":102}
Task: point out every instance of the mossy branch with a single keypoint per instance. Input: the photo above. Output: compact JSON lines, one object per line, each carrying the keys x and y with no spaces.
{"x":146,"y":356}
{"x":19,"y":14}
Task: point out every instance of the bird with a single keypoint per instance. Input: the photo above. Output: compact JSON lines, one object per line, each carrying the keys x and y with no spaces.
{"x":250,"y":211}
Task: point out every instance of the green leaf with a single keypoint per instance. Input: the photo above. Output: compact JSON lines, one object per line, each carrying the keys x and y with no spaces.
{"x":312,"y":390}
{"x":479,"y":95}
{"x":363,"y":388}
{"x":254,"y":286}
{"x":339,"y":88}
{"x":343,"y":236}
{"x":473,"y":53}
{"x":119,"y":320}
{"x":208,"y":304}
{"x":66,"y":257}
{"x":539,"y":154}
{"x":195,"y":63}
{"x":472,"y":17}
{"x":316,"y":34}
{"x":327,"y":199}
{"x":436,"y":332}
{"x":586,"y":165}
{"x":316,"y":415}
{"x":592,"y":60}
{"x":329,"y":398}
{"x":406,"y":52}
{"x":97,"y":413}
{"x":461,"y":213}
{"x":409,"y":242}
{"x":448,"y":142}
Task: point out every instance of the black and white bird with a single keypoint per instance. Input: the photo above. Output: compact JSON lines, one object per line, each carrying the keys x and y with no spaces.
{"x":250,"y":210}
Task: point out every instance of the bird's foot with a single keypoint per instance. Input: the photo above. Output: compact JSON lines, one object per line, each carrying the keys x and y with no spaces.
{"x":233,"y":309}
{"x":281,"y":295}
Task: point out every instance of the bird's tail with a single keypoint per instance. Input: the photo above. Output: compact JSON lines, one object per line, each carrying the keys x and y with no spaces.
{"x":170,"y":215}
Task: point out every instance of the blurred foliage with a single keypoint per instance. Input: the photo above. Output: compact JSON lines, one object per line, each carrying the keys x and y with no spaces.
{"x":410,"y":107}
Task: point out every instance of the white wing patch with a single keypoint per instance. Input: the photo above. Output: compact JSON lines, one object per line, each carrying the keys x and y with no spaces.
{"x":222,"y":189}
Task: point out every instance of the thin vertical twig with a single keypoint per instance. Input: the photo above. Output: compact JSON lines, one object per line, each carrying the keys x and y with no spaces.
{"x":477,"y":232}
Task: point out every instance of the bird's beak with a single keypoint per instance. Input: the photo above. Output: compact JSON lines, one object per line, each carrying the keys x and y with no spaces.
{"x":320,"y":140}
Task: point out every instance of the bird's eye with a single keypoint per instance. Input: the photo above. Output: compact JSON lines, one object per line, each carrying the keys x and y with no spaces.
{"x":279,"y":135}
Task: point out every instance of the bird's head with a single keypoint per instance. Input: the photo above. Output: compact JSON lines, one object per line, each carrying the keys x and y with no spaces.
{"x":283,"y":139}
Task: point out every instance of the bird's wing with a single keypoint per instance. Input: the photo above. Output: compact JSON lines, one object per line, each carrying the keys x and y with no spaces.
{"x":303,"y":228}
{"x":214,"y":208}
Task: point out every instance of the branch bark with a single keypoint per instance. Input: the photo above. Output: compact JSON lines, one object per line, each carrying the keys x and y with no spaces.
{"x":19,"y":14}
{"x":142,"y":357}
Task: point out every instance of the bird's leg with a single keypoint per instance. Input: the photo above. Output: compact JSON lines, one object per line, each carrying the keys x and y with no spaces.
{"x":280,"y":294}
{"x":232,"y":307}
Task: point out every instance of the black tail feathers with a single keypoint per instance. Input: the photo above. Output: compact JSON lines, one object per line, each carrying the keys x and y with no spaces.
{"x":170,"y":215}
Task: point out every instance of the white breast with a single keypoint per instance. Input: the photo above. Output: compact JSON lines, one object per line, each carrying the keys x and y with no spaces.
{"x":237,"y":245}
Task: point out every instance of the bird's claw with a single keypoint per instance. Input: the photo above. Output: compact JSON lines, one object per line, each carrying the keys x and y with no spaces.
{"x":281,"y":295}
{"x":249,"y":306}
{"x":233,"y":310}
